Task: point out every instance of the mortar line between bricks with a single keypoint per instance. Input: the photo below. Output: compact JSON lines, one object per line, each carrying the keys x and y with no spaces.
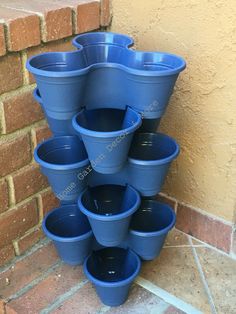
{"x":34,"y":282}
{"x":203,"y":278}
{"x":63,"y":297}
{"x":29,"y":252}
{"x":167,"y":297}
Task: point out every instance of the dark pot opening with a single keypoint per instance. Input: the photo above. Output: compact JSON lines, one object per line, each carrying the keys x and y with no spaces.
{"x":106,"y":120}
{"x":152,"y":216}
{"x":152,"y":146}
{"x":112,"y":264}
{"x":109,"y":200}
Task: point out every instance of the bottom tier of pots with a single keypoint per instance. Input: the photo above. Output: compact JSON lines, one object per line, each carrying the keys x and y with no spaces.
{"x":111,"y":269}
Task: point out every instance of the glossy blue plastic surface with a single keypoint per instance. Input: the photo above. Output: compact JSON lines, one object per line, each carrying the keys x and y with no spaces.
{"x":112,"y":271}
{"x":150,"y":157}
{"x":109,"y":209}
{"x":62,"y":159}
{"x":107,"y":135}
{"x":59,"y":126}
{"x":105,"y":73}
{"x":71,"y":233}
{"x":149,"y":227}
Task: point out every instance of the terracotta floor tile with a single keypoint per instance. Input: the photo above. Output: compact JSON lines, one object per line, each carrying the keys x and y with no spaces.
{"x":176,"y":272}
{"x":220,"y":273}
{"x":176,"y":238}
{"x":43,"y":294}
{"x":85,"y":301}
{"x":141,"y":301}
{"x":26,"y":270}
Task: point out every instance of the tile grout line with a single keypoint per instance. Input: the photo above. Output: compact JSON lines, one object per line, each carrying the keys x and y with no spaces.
{"x":207,"y":245}
{"x":167,"y":297}
{"x":203,"y":278}
{"x":63,"y":297}
{"x":34,"y":282}
{"x":103,"y":309}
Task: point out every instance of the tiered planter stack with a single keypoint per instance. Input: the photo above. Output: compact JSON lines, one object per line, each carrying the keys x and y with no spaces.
{"x":105,"y":161}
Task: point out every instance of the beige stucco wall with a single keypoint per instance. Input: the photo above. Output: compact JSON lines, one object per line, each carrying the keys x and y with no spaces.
{"x":202,"y":112}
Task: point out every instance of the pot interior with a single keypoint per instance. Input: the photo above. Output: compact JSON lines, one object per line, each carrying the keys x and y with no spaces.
{"x":62,"y":150}
{"x":151,"y":216}
{"x":112,"y":264}
{"x":106,"y":120}
{"x":151,"y":146}
{"x":67,"y":222}
{"x":109,"y":199}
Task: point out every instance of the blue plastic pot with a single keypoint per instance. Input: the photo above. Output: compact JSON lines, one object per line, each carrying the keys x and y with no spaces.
{"x":62,"y":159}
{"x":124,"y":77}
{"x":150,"y":157}
{"x":60,"y":78}
{"x":109,"y":209}
{"x":112,"y":271}
{"x":107,"y":135}
{"x":149,"y":227}
{"x":71,"y":233}
{"x":59,"y":127}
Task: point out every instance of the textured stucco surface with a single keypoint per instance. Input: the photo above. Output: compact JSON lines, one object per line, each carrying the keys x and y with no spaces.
{"x":202,"y":112}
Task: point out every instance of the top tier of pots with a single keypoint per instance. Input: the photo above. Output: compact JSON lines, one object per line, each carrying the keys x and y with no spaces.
{"x":105,"y":73}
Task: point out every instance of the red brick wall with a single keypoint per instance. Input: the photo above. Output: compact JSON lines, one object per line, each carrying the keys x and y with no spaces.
{"x":28,"y":28}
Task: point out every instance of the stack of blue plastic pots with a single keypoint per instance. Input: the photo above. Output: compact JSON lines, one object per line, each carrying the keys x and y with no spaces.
{"x":103,"y":104}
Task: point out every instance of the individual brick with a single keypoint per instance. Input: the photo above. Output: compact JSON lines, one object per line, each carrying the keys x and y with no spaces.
{"x":2,"y":41}
{"x":10,"y":73}
{"x":20,"y":111}
{"x":88,"y":17}
{"x":6,"y":254}
{"x":28,"y":240}
{"x":106,"y":15}
{"x":60,"y":45}
{"x":28,"y":181}
{"x":23,"y":29}
{"x":42,"y":133}
{"x":15,"y":222}
{"x":49,"y":201}
{"x":4,"y":196}
{"x":14,"y":154}
{"x":27,"y":269}
{"x":205,"y":228}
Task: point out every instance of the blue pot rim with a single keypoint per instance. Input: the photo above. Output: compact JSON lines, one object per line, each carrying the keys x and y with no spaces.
{"x":86,"y":69}
{"x":157,"y":162}
{"x":111,"y":134}
{"x":120,"y":216}
{"x":117,"y":283}
{"x":54,"y":237}
{"x":51,"y":166}
{"x":83,"y":71}
{"x":159,"y":232}
{"x":79,"y":46}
